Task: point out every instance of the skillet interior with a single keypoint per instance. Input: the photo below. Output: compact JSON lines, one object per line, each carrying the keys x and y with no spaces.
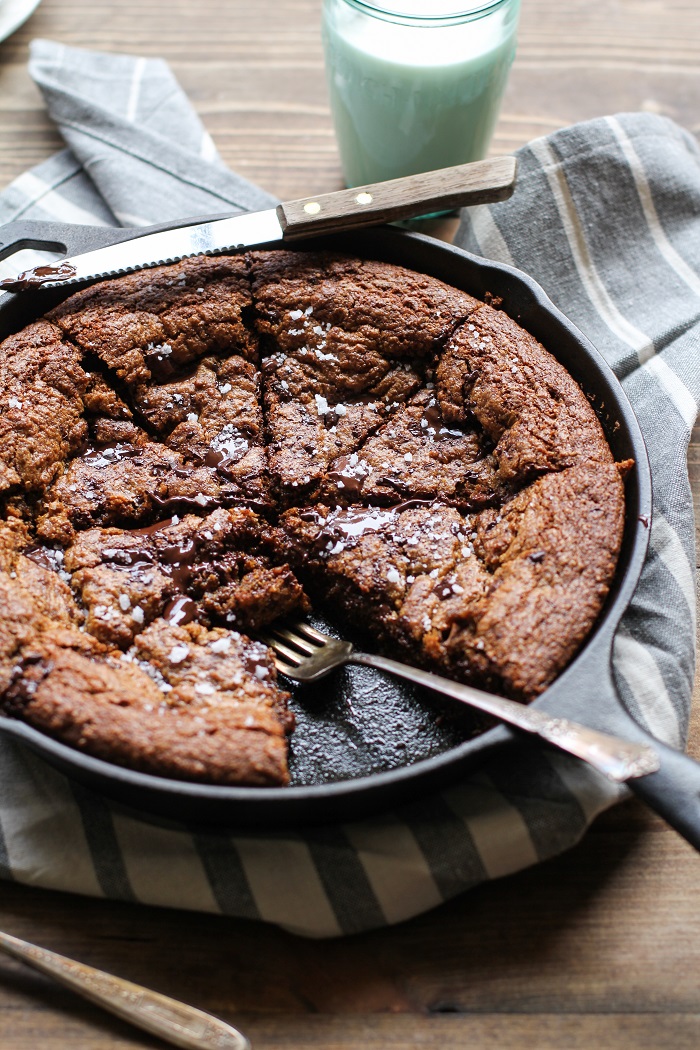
{"x":364,"y":741}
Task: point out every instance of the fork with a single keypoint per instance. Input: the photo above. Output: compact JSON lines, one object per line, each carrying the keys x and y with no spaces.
{"x":175,"y":1022}
{"x":304,"y":654}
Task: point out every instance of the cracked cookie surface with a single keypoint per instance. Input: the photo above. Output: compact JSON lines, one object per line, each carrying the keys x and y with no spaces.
{"x":190,"y":452}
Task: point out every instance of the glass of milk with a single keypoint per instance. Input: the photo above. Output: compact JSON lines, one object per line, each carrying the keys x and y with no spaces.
{"x":415,"y":84}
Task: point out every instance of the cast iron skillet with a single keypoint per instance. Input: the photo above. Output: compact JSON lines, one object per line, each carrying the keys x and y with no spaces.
{"x":364,"y":742}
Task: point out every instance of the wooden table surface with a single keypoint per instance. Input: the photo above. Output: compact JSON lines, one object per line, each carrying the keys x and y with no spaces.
{"x":599,"y":948}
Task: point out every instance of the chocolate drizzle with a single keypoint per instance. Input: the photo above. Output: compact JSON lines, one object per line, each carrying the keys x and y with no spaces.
{"x":41,"y":275}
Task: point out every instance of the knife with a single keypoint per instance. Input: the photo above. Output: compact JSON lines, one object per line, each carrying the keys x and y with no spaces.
{"x":480,"y":182}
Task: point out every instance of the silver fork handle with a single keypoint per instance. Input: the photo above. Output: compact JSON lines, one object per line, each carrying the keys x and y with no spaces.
{"x":620,"y":760}
{"x":158,"y":1014}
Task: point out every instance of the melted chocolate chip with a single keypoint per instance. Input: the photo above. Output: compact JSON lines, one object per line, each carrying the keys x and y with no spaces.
{"x":160,"y":365}
{"x":40,"y":556}
{"x":347,"y":476}
{"x":349,"y":524}
{"x":104,"y":457}
{"x":394,"y":483}
{"x":409,"y":504}
{"x":182,"y":553}
{"x":186,"y":504}
{"x":433,"y":425}
{"x":221,"y":463}
{"x":180,"y":610}
{"x":443,"y":590}
{"x":149,"y":530}
{"x":120,"y":556}
{"x":27,"y":676}
{"x":178,"y":559}
{"x":38,"y":276}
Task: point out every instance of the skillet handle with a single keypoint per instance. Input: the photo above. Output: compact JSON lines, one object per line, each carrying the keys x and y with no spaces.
{"x":673,"y":791}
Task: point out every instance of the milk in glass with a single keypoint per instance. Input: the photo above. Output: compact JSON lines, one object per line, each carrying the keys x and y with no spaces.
{"x":415,"y":85}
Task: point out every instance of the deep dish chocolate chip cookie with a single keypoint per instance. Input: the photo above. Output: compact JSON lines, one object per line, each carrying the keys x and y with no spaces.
{"x":188,"y":453}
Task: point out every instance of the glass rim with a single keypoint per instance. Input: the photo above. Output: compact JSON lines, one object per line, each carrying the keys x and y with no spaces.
{"x":478,"y":9}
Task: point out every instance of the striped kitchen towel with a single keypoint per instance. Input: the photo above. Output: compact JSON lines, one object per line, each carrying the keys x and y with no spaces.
{"x":607,"y":219}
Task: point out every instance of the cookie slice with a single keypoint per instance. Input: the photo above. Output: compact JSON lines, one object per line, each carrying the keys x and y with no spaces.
{"x":213,"y":416}
{"x":345,"y":343}
{"x":416,"y":454}
{"x":186,"y":703}
{"x":213,"y":570}
{"x":502,"y":598}
{"x":42,"y":383}
{"x":147,"y":326}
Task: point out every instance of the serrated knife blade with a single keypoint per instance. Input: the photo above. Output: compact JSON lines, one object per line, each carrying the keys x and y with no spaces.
{"x":154,"y":249}
{"x":481,"y":182}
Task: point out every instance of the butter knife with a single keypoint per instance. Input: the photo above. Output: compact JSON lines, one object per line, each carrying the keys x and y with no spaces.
{"x":481,"y":182}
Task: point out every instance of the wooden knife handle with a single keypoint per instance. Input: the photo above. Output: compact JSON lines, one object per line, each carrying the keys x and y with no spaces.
{"x":482,"y":182}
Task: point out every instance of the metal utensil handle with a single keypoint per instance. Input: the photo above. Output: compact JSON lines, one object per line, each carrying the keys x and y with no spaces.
{"x":674,"y":792}
{"x":173,"y":1021}
{"x":620,"y":760}
{"x":481,"y":182}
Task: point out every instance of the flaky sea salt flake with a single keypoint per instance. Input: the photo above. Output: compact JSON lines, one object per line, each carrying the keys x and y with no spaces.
{"x":221,"y":645}
{"x":178,"y":653}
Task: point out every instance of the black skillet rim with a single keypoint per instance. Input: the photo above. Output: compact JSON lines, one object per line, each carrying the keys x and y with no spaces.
{"x":526,"y":301}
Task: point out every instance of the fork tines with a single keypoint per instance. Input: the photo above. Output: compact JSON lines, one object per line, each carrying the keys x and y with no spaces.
{"x":292,"y":642}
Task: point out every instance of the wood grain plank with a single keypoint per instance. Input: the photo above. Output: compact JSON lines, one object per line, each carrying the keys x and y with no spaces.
{"x":376,"y":1032}
{"x":596,"y":948}
{"x":546,"y":1032}
{"x":574,"y":62}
